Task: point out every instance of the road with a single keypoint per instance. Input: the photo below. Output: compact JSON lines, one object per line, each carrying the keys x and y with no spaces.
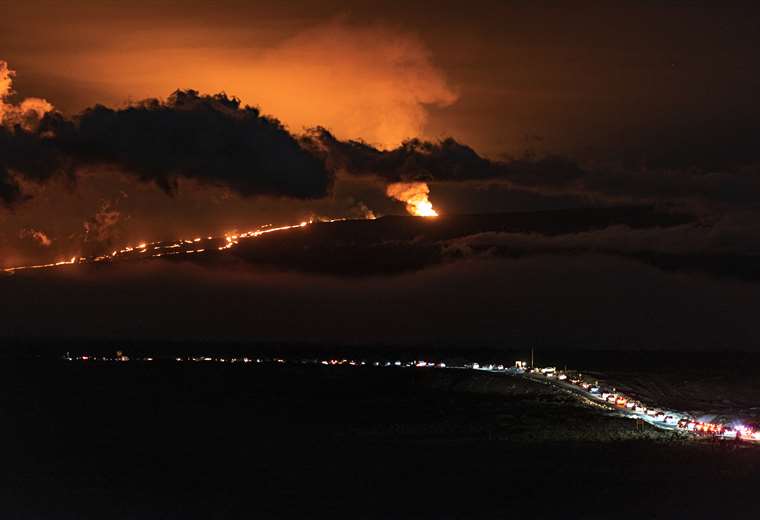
{"x":594,"y":398}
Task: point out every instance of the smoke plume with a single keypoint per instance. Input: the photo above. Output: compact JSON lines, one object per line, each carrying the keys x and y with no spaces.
{"x":214,"y":140}
{"x":20,"y":151}
{"x":25,"y":114}
{"x":372,"y":82}
{"x":40,"y":237}
{"x":729,"y":188}
{"x":415,"y":195}
{"x":101,"y":230}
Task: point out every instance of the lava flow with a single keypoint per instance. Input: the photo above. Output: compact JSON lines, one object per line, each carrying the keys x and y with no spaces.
{"x":73,"y":260}
{"x":414,"y":194}
{"x":180,"y":247}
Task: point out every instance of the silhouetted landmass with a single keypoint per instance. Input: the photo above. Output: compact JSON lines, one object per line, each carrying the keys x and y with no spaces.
{"x":394,"y":244}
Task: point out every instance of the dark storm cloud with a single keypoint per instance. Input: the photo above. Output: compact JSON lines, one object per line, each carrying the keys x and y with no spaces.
{"x":210,"y":139}
{"x":26,"y":153}
{"x":215,"y":140}
{"x":725,"y":185}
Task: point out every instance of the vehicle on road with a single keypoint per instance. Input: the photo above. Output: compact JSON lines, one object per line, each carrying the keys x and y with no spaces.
{"x":659,"y":418}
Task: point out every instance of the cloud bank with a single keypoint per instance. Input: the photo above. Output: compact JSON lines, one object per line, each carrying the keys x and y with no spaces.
{"x":720,"y":188}
{"x":209,"y":139}
{"x":565,"y":302}
{"x":214,"y":139}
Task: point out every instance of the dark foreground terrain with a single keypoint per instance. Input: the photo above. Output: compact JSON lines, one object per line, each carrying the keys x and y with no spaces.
{"x":167,"y":440}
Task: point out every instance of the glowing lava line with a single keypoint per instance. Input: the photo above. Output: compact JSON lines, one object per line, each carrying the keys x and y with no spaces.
{"x":73,"y":260}
{"x":161,"y":249}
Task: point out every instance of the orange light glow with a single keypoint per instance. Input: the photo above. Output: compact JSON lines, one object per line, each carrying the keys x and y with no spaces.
{"x":73,"y":260}
{"x":160,"y":249}
{"x":415,"y":195}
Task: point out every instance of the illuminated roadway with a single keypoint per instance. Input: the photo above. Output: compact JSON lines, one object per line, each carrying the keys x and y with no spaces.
{"x":596,"y":399}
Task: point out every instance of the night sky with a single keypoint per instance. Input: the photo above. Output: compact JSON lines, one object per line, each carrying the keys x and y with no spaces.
{"x":141,"y":121}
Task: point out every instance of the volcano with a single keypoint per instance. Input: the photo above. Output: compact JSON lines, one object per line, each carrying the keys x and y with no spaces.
{"x":394,"y":244}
